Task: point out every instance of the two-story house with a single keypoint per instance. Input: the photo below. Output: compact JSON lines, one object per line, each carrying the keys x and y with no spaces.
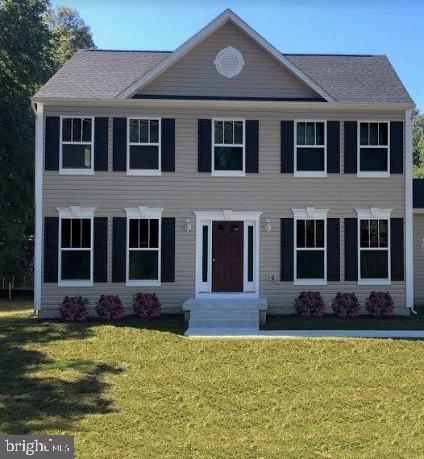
{"x":223,"y":170}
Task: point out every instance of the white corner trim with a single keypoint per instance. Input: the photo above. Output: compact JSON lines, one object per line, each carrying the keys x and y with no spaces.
{"x":38,"y":191}
{"x":409,"y":221}
{"x":76,"y":212}
{"x":310,"y":213}
{"x":374,"y":213}
{"x":200,"y":36}
{"x":144,"y":212}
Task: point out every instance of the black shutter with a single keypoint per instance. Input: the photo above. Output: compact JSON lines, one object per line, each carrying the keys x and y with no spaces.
{"x":351,"y":249}
{"x":100,"y":249}
{"x":204,"y":145}
{"x":51,"y":143}
{"x":287,"y":250}
{"x":350,"y":147}
{"x":333,"y":147}
{"x":101,"y":143}
{"x":252,"y":146}
{"x":119,"y":249}
{"x":168,"y":145}
{"x":119,"y":144}
{"x":287,"y":147}
{"x":51,"y":238}
{"x":396,"y":147}
{"x":168,"y":250}
{"x":333,"y":249}
{"x":396,"y":249}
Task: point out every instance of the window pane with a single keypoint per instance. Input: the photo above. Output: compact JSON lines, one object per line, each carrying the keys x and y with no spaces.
{"x":134,"y":131}
{"x":154,"y":233}
{"x":86,"y":130}
{"x":364,"y":133}
{"x":66,"y":129}
{"x":228,"y":158}
{"x":205,"y":253}
{"x":319,"y":133}
{"x":75,"y":264}
{"x":133,"y":233}
{"x":250,"y":253}
{"x":373,"y":159}
{"x":300,"y":235}
{"x":76,"y":130}
{"x":76,"y":233}
{"x":319,"y":224}
{"x":310,"y":233}
{"x":383,"y":137}
{"x":310,"y":134}
{"x":364,"y":229}
{"x":374,"y":264}
{"x":66,"y":232}
{"x":310,"y":264}
{"x":76,"y":156}
{"x":373,"y":133}
{"x":154,"y":131}
{"x":384,"y":237}
{"x":143,"y":264}
{"x":86,"y":233}
{"x":228,"y":132}
{"x":143,"y":226}
{"x":301,"y":133}
{"x":219,"y":132}
{"x":238,"y":131}
{"x":310,"y":159}
{"x":373,"y":233}
{"x":144,"y":130}
{"x":144,"y":157}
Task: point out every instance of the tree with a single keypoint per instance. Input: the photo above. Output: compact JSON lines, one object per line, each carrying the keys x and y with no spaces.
{"x":418,"y":138}
{"x":70,"y":31}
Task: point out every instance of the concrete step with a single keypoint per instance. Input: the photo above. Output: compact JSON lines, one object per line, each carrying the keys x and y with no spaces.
{"x":224,"y":323}
{"x":213,"y":332}
{"x":233,"y":314}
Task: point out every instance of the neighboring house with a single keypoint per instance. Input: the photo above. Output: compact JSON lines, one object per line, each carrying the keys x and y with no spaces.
{"x":418,"y":202}
{"x":224,"y":169}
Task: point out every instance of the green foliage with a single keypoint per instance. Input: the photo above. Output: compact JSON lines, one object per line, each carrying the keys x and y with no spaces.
{"x":418,"y":139}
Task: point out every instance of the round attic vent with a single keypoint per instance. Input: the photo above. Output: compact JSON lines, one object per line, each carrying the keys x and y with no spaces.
{"x":229,"y":62}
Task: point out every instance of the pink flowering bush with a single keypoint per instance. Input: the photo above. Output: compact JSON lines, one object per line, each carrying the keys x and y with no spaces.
{"x":110,"y":307}
{"x":147,"y":305}
{"x":380,"y":304}
{"x":310,"y":304}
{"x":346,"y":305}
{"x":73,"y":308}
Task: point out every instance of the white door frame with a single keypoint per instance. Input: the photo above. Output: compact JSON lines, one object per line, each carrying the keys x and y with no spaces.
{"x":206,"y":218}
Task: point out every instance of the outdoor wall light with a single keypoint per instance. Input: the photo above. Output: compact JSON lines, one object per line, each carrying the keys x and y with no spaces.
{"x":267,"y":226}
{"x":187,"y":226}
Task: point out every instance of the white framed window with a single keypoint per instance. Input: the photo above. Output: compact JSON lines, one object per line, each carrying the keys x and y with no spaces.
{"x":373,"y":149}
{"x":144,"y":146}
{"x":76,"y":145}
{"x":143,"y":246}
{"x":75,"y":254}
{"x":310,"y":244}
{"x":374,"y":247}
{"x":228,"y":147}
{"x":310,"y":158}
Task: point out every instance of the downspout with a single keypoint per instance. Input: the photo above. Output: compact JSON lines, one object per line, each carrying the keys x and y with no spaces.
{"x":409,"y":220}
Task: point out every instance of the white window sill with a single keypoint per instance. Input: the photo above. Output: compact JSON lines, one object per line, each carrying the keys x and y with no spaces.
{"x":143,"y":283}
{"x":373,"y":174}
{"x":311,"y":174}
{"x":76,"y":172}
{"x":310,"y":282}
{"x":144,"y":172}
{"x":374,"y":282}
{"x":75,"y":283}
{"x":228,"y":174}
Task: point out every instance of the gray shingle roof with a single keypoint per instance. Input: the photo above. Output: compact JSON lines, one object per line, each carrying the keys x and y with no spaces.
{"x":103,"y":74}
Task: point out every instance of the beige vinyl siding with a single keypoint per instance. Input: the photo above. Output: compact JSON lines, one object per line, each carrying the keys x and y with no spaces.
{"x":262,"y":75}
{"x":185,"y":191}
{"x":418,"y":259}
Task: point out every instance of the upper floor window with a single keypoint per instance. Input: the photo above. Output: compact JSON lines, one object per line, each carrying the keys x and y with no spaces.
{"x":76,"y":145}
{"x":228,"y":147}
{"x":310,"y":155}
{"x":374,"y":249}
{"x":373,"y":150}
{"x":144,"y":146}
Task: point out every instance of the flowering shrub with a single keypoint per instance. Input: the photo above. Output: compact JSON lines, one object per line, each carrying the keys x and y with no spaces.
{"x":147,"y":305}
{"x":110,"y":307}
{"x":380,"y":304}
{"x":310,"y":304}
{"x":346,"y":305}
{"x":73,"y":308}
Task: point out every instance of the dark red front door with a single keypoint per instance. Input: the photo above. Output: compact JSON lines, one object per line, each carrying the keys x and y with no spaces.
{"x":227,"y":256}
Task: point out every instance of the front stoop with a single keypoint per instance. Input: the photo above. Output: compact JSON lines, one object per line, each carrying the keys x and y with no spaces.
{"x":236,"y":317}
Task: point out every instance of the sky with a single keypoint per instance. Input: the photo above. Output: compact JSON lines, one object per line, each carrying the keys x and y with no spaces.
{"x":391,"y":27}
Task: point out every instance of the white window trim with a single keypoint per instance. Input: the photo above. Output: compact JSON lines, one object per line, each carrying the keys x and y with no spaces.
{"x":140,"y":213}
{"x":206,"y":218}
{"x":76,"y":212}
{"x":310,"y":213}
{"x":145,"y":172}
{"x":76,"y":171}
{"x":372,"y":174}
{"x":240,"y":173}
{"x":374,"y":213}
{"x":310,"y":174}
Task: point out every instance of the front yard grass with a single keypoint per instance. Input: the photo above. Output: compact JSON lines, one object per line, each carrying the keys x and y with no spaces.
{"x":142,"y":390}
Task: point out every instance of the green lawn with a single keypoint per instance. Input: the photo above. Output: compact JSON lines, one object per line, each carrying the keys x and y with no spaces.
{"x":145,"y":391}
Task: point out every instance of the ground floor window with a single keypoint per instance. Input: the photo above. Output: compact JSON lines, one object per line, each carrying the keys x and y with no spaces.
{"x":374,"y":249}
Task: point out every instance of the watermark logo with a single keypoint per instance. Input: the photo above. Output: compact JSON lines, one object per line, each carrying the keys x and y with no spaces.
{"x":37,"y":446}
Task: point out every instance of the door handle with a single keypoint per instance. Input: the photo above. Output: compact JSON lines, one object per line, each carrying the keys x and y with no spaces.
{"x":213,"y":259}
